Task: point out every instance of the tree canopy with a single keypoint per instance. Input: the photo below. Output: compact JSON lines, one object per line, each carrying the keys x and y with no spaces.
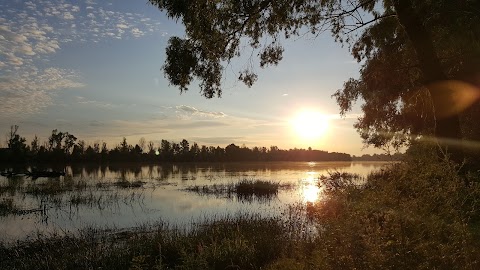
{"x":407,"y":49}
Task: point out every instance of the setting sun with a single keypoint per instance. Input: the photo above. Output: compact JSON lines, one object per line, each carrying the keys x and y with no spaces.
{"x":310,"y":124}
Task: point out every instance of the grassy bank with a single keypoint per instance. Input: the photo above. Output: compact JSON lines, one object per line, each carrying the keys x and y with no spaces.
{"x":419,"y":214}
{"x":245,"y":242}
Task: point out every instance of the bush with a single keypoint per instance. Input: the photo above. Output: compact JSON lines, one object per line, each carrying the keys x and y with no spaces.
{"x":419,"y":214}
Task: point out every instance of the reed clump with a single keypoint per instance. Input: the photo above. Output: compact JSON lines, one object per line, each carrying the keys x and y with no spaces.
{"x":246,"y":189}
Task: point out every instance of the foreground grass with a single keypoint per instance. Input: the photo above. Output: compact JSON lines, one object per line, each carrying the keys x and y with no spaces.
{"x":239,"y":243}
{"x":419,"y":214}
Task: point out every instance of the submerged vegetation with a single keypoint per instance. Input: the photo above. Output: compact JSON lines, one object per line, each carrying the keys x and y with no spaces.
{"x":417,"y":214}
{"x":44,"y":194}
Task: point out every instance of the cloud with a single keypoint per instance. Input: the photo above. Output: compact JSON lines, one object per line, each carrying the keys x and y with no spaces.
{"x":122,"y":26}
{"x":218,"y":140}
{"x":95,"y":123}
{"x":23,"y":94}
{"x":95,"y":103}
{"x":31,"y":32}
{"x":68,"y":16}
{"x":195,"y":124}
{"x":185,"y":111}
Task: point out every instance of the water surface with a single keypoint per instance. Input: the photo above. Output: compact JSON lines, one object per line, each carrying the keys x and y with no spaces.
{"x":125,"y":196}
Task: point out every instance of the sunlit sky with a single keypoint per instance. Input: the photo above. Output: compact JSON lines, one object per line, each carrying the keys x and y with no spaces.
{"x":92,"y":68}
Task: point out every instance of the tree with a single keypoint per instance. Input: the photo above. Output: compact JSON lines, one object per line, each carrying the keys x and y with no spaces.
{"x":151,"y":148}
{"x":143,"y":144}
{"x":16,"y":143}
{"x":55,"y":140}
{"x":408,"y":50}
{"x":69,"y":142}
{"x":35,"y":145}
{"x":166,"y":150}
{"x":124,"y":146}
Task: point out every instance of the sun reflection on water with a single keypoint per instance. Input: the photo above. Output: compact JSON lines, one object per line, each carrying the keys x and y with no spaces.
{"x":310,"y":191}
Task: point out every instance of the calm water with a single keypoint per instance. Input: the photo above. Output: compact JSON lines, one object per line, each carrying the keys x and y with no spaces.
{"x":90,"y":196}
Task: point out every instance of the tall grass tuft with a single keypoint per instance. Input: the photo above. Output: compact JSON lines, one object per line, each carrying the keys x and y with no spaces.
{"x":245,"y":189}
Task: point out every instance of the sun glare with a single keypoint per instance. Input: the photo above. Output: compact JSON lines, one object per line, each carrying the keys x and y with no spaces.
{"x":310,"y":124}
{"x":310,"y":189}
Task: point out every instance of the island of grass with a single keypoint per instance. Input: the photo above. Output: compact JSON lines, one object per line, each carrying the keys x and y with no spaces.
{"x":243,"y":189}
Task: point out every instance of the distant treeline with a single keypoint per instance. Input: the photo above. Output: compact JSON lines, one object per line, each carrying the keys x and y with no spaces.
{"x":379,"y":157}
{"x":64,"y":147}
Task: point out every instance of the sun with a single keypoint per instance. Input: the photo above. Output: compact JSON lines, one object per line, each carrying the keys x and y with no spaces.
{"x":310,"y":124}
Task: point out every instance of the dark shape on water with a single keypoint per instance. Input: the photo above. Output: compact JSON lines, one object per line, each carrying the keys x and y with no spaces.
{"x":10,"y":173}
{"x":36,"y":174}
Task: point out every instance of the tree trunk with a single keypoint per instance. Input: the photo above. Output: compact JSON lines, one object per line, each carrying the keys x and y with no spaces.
{"x":447,"y":129}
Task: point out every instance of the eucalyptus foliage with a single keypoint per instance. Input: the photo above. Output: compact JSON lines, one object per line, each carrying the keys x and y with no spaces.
{"x":404,"y":47}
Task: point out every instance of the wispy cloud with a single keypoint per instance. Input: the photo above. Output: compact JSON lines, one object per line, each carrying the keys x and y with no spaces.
{"x":186,"y":111}
{"x":95,"y":103}
{"x":218,"y":140}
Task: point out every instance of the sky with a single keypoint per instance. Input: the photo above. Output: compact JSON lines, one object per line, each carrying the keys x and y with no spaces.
{"x":93,"y":68}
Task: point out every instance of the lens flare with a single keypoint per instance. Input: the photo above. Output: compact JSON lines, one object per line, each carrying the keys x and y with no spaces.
{"x":452,"y":97}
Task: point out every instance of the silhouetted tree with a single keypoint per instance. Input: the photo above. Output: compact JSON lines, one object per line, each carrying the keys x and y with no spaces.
{"x":406,"y":49}
{"x":166,"y":150}
{"x":35,"y":146}
{"x":151,"y":148}
{"x":57,"y":149}
{"x":143,"y":144}
{"x":16,"y":144}
{"x":194,"y":151}
{"x":124,"y":146}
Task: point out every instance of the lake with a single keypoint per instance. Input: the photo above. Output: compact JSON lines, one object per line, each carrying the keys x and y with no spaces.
{"x":124,"y":196}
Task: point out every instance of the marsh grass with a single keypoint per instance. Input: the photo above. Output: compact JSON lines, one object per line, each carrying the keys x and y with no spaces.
{"x":245,"y":189}
{"x":67,"y":191}
{"x":53,"y":187}
{"x":336,"y":180}
{"x":246,"y":242}
{"x":7,"y":206}
{"x":11,"y":184}
{"x":419,"y":214}
{"x":129,"y":184}
{"x":8,"y":189}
